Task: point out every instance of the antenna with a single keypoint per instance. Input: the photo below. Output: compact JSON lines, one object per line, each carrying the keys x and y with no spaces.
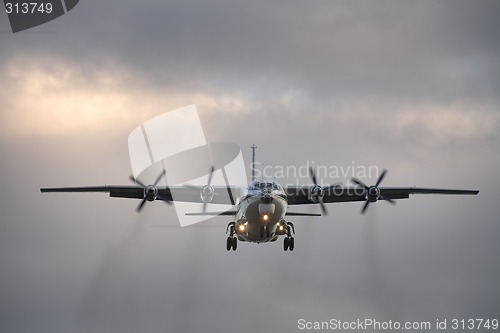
{"x":253,"y":161}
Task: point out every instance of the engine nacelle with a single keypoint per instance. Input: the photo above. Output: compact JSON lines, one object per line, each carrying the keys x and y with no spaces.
{"x":207,"y":193}
{"x":317,"y":193}
{"x":373,"y":194}
{"x":150,"y":193}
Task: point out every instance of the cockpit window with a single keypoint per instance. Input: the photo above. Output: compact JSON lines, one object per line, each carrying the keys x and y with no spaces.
{"x":257,"y":185}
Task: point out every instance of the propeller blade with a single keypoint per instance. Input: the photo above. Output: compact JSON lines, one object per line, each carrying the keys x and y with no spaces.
{"x":159,"y":177}
{"x":313,"y":176}
{"x":136,"y":181}
{"x":360,"y":183}
{"x":141,"y":205}
{"x":323,"y":207}
{"x":210,"y":174}
{"x":381,"y":177}
{"x":363,"y":210}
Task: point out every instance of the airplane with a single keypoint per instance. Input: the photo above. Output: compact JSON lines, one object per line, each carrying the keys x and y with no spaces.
{"x":259,"y":214}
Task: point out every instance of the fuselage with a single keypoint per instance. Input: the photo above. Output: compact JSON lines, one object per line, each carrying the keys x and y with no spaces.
{"x":261,"y":212}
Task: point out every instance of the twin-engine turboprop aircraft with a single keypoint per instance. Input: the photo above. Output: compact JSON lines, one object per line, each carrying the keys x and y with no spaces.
{"x":259,"y":215}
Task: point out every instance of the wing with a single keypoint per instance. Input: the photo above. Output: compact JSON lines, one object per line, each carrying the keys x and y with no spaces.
{"x":222,"y":194}
{"x":234,"y":212}
{"x":301,"y":195}
{"x":132,"y":192}
{"x":341,"y":193}
{"x":404,"y":192}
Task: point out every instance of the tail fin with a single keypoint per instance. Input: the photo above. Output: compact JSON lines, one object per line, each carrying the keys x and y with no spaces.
{"x":253,"y":161}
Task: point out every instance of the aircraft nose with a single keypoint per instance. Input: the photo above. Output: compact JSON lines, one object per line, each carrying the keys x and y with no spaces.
{"x":266,"y":197}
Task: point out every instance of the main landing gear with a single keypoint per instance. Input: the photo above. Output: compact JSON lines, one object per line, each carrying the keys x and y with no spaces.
{"x":289,"y":241}
{"x":232,"y":241}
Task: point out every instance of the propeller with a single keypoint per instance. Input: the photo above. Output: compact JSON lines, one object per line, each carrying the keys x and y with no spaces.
{"x":319,"y":192}
{"x":373,"y":192}
{"x":150,"y":191}
{"x":207,"y":191}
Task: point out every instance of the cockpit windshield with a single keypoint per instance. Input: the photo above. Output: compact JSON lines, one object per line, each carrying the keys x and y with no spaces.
{"x":263,"y":184}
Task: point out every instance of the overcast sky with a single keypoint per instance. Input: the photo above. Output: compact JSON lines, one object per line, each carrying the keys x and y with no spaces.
{"x":410,"y":86}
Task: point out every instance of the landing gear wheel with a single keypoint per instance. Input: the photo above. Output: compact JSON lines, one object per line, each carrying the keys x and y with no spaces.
{"x":291,"y":243}
{"x":234,"y":243}
{"x":286,"y":243}
{"x":229,"y":243}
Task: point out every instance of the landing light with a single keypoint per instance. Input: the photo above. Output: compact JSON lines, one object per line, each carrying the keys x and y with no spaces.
{"x":242,"y":227}
{"x":265,"y":217}
{"x":281,"y":228}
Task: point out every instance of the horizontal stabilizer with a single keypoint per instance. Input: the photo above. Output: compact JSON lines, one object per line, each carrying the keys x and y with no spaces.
{"x":226,"y":213}
{"x":301,"y":214}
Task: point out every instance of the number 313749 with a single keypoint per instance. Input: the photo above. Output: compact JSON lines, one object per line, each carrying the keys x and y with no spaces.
{"x":28,"y":8}
{"x":474,"y":324}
